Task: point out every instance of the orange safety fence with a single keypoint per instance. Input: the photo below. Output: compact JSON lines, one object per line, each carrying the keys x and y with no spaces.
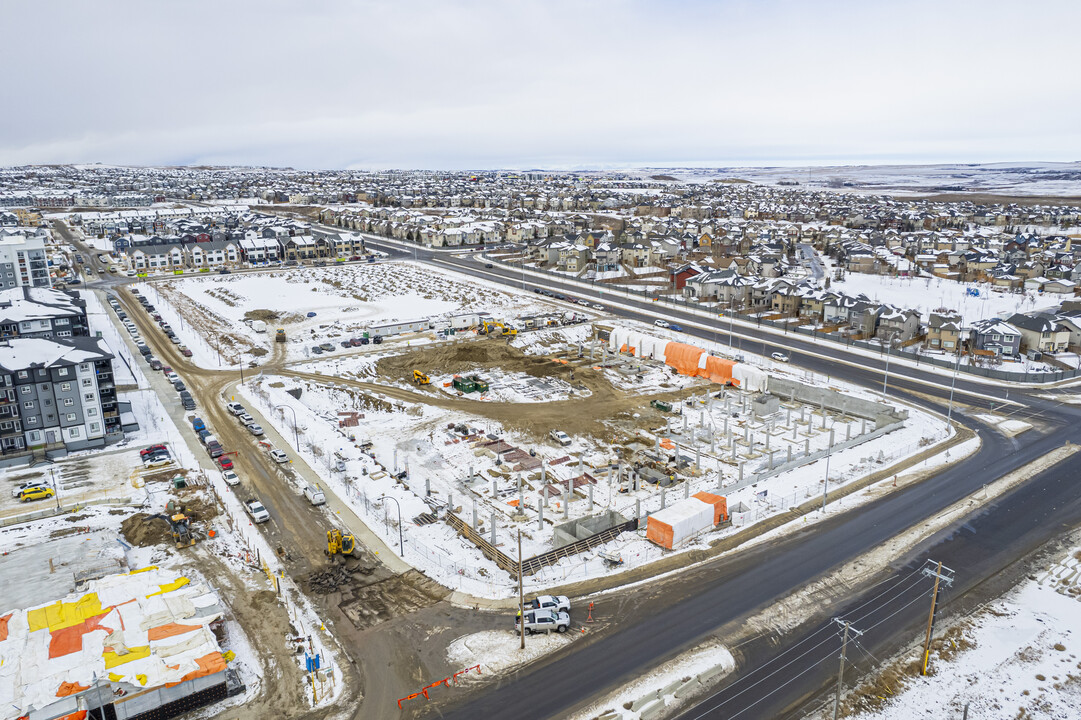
{"x":445,"y":681}
{"x":70,"y":688}
{"x":4,"y":626}
{"x":719,"y":503}
{"x":683,"y":357}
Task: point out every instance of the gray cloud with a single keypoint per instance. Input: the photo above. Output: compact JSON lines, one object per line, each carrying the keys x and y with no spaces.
{"x":561,"y":83}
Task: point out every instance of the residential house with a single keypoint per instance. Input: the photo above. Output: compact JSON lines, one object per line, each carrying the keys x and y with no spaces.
{"x":1041,"y":331}
{"x":996,"y":336}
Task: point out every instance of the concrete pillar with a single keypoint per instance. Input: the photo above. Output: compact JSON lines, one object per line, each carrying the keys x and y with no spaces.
{"x":544,"y":475}
{"x":789,"y":454}
{"x":831,"y":437}
{"x":701,"y":418}
{"x":590,"y":497}
{"x":657,"y":443}
{"x":684,"y":416}
{"x":725,"y":424}
{"x":521,"y":499}
{"x":863,"y":425}
{"x":471,"y":475}
{"x":720,"y":478}
{"x":581,"y":464}
{"x":450,"y":502}
{"x":741,"y":471}
{"x":788,"y":418}
{"x":427,"y":487}
{"x":807,"y":447}
{"x":697,"y":457}
{"x":474,"y":514}
{"x":746,"y":433}
{"x":795,"y":428}
{"x":493,"y":489}
{"x":848,"y":431}
{"x":803,"y":413}
{"x":663,"y":502}
{"x":566,"y":507}
{"x":636,"y":482}
{"x":712,"y":443}
{"x":770,"y":456}
{"x":767,"y":440}
{"x":540,"y":516}
{"x":493,"y":529}
{"x":546,"y":495}
{"x":686,"y":489}
{"x":727,"y":405}
{"x":637,"y":509}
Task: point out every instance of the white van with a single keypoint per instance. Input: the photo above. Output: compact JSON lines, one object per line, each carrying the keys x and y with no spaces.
{"x":314,"y":494}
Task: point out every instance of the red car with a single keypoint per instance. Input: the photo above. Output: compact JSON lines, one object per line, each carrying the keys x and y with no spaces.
{"x":226,"y":462}
{"x":150,"y":450}
{"x":184,"y":351}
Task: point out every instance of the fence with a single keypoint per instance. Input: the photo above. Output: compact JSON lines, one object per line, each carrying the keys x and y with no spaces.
{"x":691,"y":306}
{"x":51,"y":511}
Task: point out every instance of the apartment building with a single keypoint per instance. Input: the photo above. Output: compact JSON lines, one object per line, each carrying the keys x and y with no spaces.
{"x":42,"y":313}
{"x":23,"y":262}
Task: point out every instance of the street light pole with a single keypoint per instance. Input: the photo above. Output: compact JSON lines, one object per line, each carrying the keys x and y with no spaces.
{"x":953,"y":384}
{"x":401,"y":545}
{"x":296,"y":437}
{"x":886,"y":374}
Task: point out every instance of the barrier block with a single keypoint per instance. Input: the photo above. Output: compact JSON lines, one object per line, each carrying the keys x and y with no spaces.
{"x":641,"y":702}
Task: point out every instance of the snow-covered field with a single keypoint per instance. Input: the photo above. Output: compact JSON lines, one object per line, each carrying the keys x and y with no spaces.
{"x":1024,"y":663}
{"x":345,"y":300}
{"x":930,"y":293}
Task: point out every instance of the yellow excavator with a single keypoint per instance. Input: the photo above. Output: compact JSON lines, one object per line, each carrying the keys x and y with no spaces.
{"x":339,"y":544}
{"x":489,"y":327}
{"x":420,"y":378}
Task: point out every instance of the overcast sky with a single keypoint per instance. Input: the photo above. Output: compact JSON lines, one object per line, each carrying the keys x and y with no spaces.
{"x":557,"y":84}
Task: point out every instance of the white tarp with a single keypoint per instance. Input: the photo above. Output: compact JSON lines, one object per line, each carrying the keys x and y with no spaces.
{"x":749,"y":377}
{"x":685,"y":518}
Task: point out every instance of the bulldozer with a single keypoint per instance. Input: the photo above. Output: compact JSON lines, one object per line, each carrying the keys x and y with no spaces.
{"x":420,"y":378}
{"x":279,"y":335}
{"x":339,"y":544}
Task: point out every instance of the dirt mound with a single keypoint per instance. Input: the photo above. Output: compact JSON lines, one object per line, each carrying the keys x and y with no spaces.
{"x":140,"y":530}
{"x":263,"y":315}
{"x":472,"y":355}
{"x":339,"y":576}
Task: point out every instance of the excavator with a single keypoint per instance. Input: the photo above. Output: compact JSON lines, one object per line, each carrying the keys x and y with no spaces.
{"x":339,"y":544}
{"x":420,"y":378}
{"x":489,"y":327}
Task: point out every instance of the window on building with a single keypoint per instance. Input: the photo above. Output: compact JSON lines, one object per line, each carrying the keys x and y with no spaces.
{"x":85,"y":367}
{"x":62,"y":372}
{"x":69,"y":402}
{"x":26,"y":389}
{"x":94,"y":427}
{"x":65,"y":387}
{"x":32,"y":420}
{"x":29,"y":404}
{"x":71,"y":417}
{"x":22,"y":375}
{"x":89,"y":397}
{"x":73,"y":433}
{"x":87,"y":382}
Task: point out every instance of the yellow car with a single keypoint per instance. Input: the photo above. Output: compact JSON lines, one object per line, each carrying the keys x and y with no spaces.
{"x":36,"y":493}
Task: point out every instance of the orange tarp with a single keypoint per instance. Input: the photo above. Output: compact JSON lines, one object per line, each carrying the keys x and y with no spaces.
{"x":77,"y":715}
{"x":719,"y":503}
{"x":659,"y":532}
{"x":70,"y":688}
{"x":70,"y":639}
{"x":169,"y":630}
{"x":208,"y":665}
{"x":683,"y":357}
{"x":719,"y":370}
{"x":4,"y":626}
{"x":667,"y":444}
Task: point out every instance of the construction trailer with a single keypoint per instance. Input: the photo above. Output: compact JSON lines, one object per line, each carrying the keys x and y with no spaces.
{"x":398,"y":328}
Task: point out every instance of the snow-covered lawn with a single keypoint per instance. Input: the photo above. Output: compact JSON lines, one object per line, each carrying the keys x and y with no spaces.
{"x":497,"y":651}
{"x":1024,"y":663}
{"x":926,"y":294}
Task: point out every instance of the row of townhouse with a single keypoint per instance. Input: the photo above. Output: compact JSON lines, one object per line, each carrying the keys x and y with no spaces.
{"x":252,"y":247}
{"x":31,"y":312}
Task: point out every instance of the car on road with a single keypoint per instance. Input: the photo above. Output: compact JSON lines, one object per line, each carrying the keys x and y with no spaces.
{"x":489,"y":265}
{"x":223,"y":271}
{"x":36,"y":493}
{"x":235,"y":408}
{"x":179,"y":385}
{"x":245,"y":419}
{"x":779,"y":357}
{"x":257,"y":511}
{"x":169,"y":374}
{"x":225,"y":462}
{"x":598,"y":307}
{"x":155,"y":364}
{"x":545,"y":621}
{"x":560,"y":437}
{"x":230,"y":477}
{"x":174,"y":339}
{"x":184,"y":350}
{"x":660,"y":323}
{"x":278,"y":456}
{"x":677,"y":328}
{"x":255,"y":429}
{"x":19,"y":489}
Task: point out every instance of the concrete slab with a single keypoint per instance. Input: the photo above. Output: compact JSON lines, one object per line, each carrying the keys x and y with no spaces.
{"x":45,"y":572}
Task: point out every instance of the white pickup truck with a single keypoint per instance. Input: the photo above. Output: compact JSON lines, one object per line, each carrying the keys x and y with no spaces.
{"x":544,"y":621}
{"x":257,"y":511}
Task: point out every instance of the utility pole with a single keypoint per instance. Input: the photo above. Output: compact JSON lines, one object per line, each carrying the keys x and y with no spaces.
{"x":953,"y":383}
{"x":841,"y":671}
{"x":939,"y":578}
{"x":521,"y":594}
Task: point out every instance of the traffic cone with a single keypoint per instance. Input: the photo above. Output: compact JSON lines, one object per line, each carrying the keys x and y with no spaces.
{"x":590,"y":618}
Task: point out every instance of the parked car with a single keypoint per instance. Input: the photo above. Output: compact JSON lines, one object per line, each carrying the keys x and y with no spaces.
{"x":155,"y":461}
{"x":245,"y":419}
{"x":361,"y":341}
{"x":36,"y":493}
{"x":18,"y":489}
{"x":225,"y":462}
{"x":257,"y":511}
{"x":544,"y":621}
{"x":278,"y":456}
{"x":317,"y":350}
{"x":255,"y":429}
{"x":779,"y":357}
{"x":223,"y":271}
{"x":346,"y":343}
{"x":151,"y":450}
{"x":377,"y":340}
{"x":184,"y":351}
{"x":327,"y":347}
{"x":155,"y":364}
{"x":559,"y":603}
{"x":311,"y":314}
{"x":179,"y":385}
{"x":230,"y":478}
{"x":314,"y":494}
{"x":235,"y":408}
